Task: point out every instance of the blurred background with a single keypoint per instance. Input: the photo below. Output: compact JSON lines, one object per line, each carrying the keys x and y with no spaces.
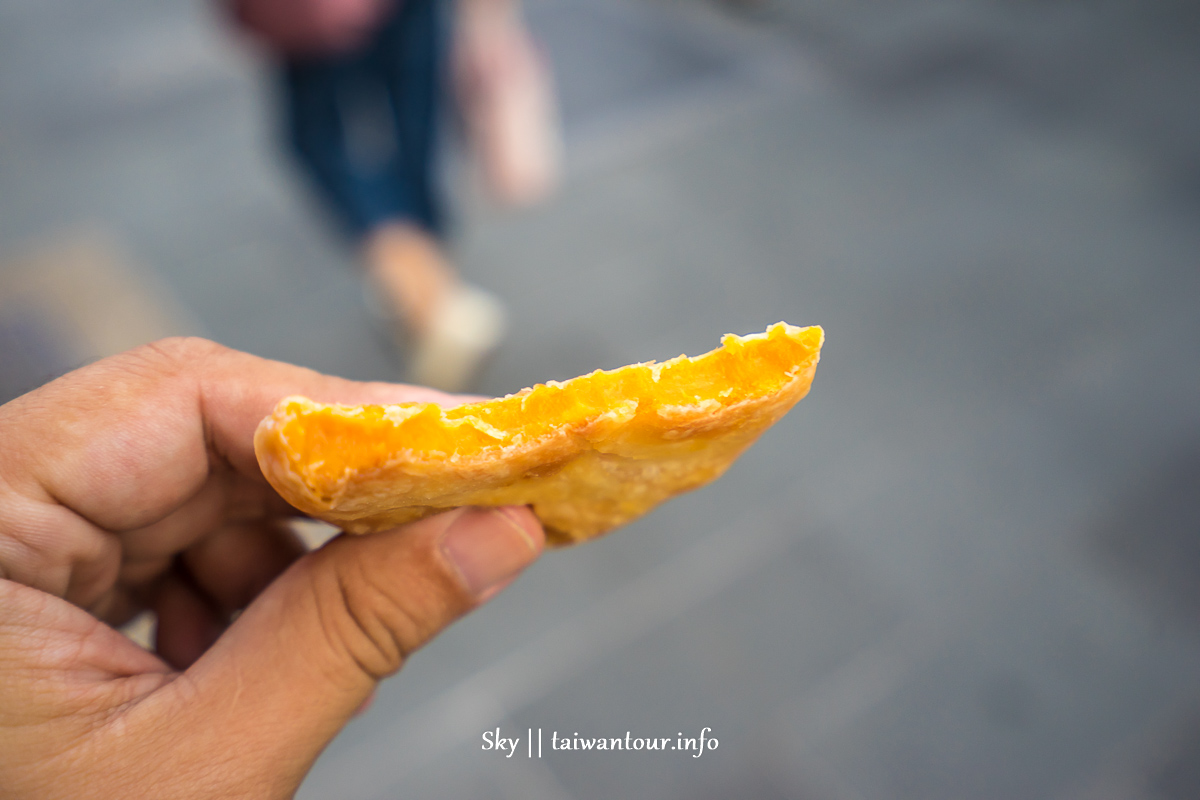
{"x":968,"y":565}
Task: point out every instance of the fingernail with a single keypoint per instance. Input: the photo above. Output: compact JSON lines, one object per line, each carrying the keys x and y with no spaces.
{"x":487,"y":546}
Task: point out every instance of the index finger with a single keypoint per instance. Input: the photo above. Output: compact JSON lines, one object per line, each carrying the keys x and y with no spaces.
{"x":125,"y":441}
{"x":233,"y":407}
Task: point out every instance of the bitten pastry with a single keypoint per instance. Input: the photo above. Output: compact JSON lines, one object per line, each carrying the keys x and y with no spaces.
{"x":588,"y":454}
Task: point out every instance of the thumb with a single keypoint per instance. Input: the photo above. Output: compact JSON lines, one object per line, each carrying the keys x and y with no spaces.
{"x":295,"y":666}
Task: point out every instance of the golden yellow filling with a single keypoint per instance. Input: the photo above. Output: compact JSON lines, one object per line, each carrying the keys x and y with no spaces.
{"x":331,"y":439}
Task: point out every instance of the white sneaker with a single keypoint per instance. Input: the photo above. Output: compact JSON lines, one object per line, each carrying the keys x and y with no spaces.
{"x":467,"y":328}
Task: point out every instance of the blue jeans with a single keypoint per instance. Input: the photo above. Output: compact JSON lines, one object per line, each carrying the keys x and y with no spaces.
{"x":363,"y":124}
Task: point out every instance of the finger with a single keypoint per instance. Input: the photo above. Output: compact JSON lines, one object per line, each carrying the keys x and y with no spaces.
{"x":224,"y":498}
{"x":143,"y":554}
{"x":118,"y":606}
{"x":234,"y":406}
{"x":194,"y":517}
{"x":125,"y":442}
{"x":297,"y":664}
{"x":187,"y":623}
{"x":234,"y":564}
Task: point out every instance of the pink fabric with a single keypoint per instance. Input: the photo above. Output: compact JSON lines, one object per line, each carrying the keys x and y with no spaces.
{"x":300,"y":27}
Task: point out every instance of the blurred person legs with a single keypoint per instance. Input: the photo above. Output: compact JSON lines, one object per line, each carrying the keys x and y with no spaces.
{"x":452,"y":324}
{"x":506,"y":94}
{"x":364,"y":127}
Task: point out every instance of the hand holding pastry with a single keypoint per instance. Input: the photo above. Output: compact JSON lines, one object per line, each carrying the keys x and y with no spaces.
{"x":132,"y":483}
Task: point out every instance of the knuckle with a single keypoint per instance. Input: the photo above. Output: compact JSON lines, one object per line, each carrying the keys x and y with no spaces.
{"x":170,"y":356}
{"x":183,"y":350}
{"x":378,"y":618}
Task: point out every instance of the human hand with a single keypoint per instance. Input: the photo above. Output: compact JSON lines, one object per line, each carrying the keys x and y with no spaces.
{"x":505,"y":91}
{"x":132,"y":483}
{"x":310,"y":26}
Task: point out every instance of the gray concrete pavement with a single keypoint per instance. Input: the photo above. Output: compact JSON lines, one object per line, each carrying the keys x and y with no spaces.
{"x":965,"y":566}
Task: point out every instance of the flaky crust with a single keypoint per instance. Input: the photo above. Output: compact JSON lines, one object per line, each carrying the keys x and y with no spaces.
{"x":582,"y":478}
